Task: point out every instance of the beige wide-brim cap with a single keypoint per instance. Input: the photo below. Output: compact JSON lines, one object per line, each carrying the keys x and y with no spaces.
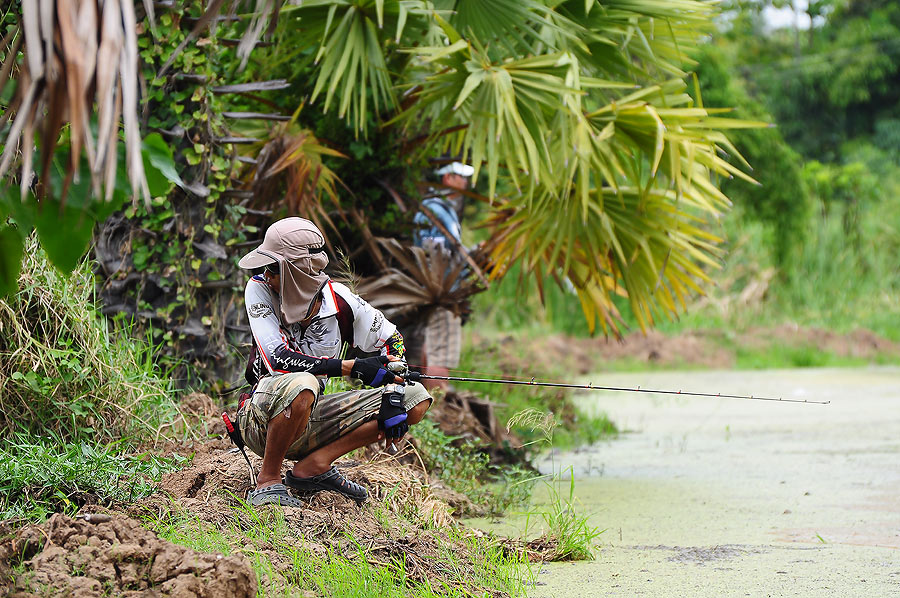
{"x":299,"y":248}
{"x":282,"y":241}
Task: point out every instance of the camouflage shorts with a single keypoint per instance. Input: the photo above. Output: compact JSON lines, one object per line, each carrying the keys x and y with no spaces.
{"x":332,"y":415}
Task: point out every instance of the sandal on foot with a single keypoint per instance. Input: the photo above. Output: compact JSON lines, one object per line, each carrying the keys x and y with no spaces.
{"x":330,"y":480}
{"x":276,"y":494}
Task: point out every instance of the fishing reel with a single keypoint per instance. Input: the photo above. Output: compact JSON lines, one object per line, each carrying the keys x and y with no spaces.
{"x":400,"y":368}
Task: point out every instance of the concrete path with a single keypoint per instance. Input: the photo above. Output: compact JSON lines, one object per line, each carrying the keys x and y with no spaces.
{"x":713,"y":497}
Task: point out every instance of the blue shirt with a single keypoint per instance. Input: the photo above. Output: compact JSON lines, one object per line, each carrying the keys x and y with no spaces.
{"x":426,"y":231}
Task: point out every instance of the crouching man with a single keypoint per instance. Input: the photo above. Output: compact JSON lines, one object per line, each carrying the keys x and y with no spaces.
{"x":300,"y":319}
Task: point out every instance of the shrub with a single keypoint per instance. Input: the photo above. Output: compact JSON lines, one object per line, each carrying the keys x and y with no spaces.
{"x":63,"y":371}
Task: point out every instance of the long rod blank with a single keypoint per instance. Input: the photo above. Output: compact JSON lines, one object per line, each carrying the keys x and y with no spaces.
{"x":589,"y":386}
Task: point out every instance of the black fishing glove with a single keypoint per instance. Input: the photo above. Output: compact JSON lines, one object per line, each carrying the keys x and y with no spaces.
{"x":392,"y":416}
{"x":371,"y":371}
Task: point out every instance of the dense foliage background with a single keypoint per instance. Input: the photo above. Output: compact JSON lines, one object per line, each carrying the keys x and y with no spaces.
{"x":815,"y":242}
{"x":598,"y":169}
{"x":677,"y":164}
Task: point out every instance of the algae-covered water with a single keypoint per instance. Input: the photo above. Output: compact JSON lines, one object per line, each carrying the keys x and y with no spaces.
{"x":716,"y":497}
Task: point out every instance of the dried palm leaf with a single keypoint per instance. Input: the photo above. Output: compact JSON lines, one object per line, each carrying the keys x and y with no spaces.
{"x":79,"y":55}
{"x":419,"y":279}
{"x":289,"y":172}
{"x":264,"y":17}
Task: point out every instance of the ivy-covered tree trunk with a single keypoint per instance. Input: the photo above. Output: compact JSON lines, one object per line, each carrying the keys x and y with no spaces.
{"x":169,"y":267}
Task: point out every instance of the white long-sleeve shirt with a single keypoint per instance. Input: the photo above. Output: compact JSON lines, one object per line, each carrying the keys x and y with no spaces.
{"x":281,"y":349}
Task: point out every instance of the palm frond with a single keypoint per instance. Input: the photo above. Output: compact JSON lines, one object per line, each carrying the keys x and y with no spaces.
{"x":76,"y":55}
{"x":353,"y":38}
{"x":289,"y":173}
{"x":418,"y":279}
{"x":638,"y":39}
{"x":507,"y":108}
{"x":510,"y":26}
{"x":628,"y":215}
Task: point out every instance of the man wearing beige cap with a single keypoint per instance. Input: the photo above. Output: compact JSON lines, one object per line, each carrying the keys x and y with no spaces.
{"x":300,"y":319}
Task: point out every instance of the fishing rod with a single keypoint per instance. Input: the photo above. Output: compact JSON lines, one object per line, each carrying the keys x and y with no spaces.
{"x":416,"y":376}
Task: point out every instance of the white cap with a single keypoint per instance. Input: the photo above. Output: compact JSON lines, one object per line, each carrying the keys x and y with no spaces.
{"x":455,"y":168}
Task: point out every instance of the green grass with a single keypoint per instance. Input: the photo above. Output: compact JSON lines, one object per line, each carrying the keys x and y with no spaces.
{"x":570,"y":529}
{"x":41,"y":475}
{"x":63,"y":370}
{"x":466,"y":468}
{"x":804,"y":356}
{"x":76,"y":398}
{"x":264,"y":536}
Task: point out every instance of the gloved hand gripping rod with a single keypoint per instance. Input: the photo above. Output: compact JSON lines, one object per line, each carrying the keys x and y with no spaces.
{"x":416,"y":376}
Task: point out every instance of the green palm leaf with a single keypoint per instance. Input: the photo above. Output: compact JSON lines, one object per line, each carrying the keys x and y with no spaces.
{"x":354,"y":39}
{"x":600,"y":168}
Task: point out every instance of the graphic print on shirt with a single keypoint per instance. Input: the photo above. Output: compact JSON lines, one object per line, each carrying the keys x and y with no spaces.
{"x":376,"y":323}
{"x":259,"y":310}
{"x":291,"y":348}
{"x":322,"y":338}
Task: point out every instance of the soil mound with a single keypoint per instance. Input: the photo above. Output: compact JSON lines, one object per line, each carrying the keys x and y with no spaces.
{"x":217,"y":481}
{"x":402,"y":521}
{"x":114,"y":556}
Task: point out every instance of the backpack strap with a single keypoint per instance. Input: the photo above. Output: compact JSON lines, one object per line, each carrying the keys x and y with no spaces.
{"x":345,"y":319}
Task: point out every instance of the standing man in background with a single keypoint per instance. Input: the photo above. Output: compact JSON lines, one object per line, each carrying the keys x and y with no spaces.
{"x":441,"y":335}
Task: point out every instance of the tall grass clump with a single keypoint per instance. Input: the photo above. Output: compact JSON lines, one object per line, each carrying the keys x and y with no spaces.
{"x":565,"y":528}
{"x":466,"y":468}
{"x":63,"y":371}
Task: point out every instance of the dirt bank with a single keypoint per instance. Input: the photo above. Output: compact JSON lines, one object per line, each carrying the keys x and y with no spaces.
{"x":716,"y":349}
{"x":404,"y":521}
{"x":114,"y":556}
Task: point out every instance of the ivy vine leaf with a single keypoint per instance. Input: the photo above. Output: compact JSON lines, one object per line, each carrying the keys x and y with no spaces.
{"x":159,"y":165}
{"x":10,"y":260}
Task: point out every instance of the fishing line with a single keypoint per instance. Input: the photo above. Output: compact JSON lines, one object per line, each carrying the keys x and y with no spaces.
{"x":416,"y":376}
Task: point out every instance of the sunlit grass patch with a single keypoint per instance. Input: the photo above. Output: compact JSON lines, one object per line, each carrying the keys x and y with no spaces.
{"x":569,"y":531}
{"x":337,"y":563}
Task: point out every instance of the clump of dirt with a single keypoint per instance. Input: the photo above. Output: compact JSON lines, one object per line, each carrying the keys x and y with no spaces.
{"x":199,"y":415}
{"x":114,"y":556}
{"x":218,"y":479}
